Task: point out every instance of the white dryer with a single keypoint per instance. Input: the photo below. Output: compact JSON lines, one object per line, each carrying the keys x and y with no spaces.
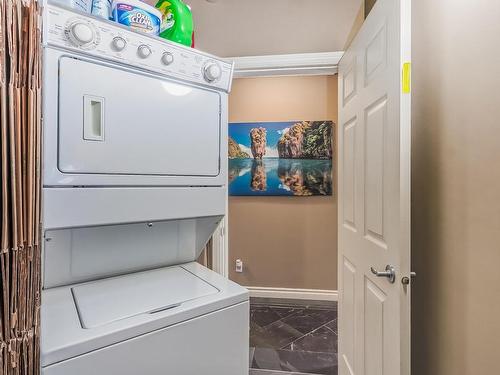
{"x":134,"y":184}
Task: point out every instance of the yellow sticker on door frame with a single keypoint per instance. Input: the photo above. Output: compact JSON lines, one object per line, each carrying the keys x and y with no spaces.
{"x":406,"y":79}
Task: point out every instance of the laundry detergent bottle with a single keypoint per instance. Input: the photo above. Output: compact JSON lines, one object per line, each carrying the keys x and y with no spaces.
{"x":177,"y":21}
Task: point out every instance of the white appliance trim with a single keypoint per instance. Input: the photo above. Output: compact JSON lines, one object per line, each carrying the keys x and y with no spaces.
{"x":322,"y":63}
{"x":220,"y":250}
{"x":293,"y":293}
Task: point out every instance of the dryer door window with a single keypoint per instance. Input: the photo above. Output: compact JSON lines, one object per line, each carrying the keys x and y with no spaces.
{"x":114,"y":121}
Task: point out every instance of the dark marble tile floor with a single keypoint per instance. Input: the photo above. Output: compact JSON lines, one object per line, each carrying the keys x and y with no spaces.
{"x":293,"y":337}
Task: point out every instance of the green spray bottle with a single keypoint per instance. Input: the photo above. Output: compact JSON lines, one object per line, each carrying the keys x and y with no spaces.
{"x":177,"y":21}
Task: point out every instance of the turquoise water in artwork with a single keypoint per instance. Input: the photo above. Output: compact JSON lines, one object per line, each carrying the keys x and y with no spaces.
{"x":278,"y":176}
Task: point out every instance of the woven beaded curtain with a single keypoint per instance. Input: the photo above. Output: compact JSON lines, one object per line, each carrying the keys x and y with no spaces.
{"x":20,"y":104}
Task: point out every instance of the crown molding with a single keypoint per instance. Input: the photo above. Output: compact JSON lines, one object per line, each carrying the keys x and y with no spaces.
{"x":322,"y":63}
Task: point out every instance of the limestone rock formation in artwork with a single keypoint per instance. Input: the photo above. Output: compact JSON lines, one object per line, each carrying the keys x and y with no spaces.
{"x":317,"y":143}
{"x":259,"y":177}
{"x":235,"y":151}
{"x":258,"y":142}
{"x":290,"y":143}
{"x":305,"y":181}
{"x":307,"y":140}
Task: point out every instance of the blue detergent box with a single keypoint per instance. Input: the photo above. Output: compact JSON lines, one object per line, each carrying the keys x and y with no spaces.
{"x":138,"y":16}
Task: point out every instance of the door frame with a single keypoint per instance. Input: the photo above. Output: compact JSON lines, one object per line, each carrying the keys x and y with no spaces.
{"x":302,"y":64}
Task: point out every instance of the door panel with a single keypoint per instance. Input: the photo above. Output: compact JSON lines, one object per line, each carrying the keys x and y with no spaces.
{"x":374,"y":191}
{"x":375,"y":124}
{"x":349,"y":178}
{"x":349,"y":82}
{"x":348,"y":302}
{"x":112,"y":121}
{"x":376,"y":54}
{"x":374,"y":328}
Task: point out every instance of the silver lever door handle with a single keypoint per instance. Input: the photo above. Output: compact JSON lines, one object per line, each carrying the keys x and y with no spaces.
{"x":389,"y":272}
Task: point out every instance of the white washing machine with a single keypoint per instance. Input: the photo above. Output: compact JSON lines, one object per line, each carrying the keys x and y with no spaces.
{"x":134,"y":184}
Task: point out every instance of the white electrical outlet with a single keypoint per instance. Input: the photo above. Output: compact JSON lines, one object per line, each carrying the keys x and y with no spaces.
{"x":239,"y":265}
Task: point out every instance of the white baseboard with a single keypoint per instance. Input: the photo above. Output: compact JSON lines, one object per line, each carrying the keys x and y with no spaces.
{"x":310,"y":294}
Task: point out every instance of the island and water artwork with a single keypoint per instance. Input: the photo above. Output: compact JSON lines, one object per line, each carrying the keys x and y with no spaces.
{"x":292,"y":158}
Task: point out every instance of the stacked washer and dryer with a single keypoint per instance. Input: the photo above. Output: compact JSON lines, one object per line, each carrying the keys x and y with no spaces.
{"x":134,"y":184}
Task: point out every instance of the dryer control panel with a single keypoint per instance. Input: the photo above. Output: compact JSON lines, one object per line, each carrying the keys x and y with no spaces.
{"x":90,"y":35}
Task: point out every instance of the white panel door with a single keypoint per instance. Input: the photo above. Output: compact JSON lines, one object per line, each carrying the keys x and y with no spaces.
{"x":374,"y":195}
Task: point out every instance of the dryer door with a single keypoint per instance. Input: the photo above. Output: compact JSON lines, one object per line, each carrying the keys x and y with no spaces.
{"x":116,"y":121}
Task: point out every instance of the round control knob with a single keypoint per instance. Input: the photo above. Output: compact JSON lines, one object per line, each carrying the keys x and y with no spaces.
{"x":212,"y":72}
{"x":119,"y":43}
{"x":167,"y":58}
{"x":143,"y":51}
{"x":81,"y":33}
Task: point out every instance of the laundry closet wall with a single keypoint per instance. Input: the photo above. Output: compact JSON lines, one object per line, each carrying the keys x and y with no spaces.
{"x":287,"y":242}
{"x":456,"y":187}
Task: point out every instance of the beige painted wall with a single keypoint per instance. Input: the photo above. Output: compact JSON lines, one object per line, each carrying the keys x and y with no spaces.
{"x":356,"y":25}
{"x":264,"y":27}
{"x":456,"y":187}
{"x":284,"y":242}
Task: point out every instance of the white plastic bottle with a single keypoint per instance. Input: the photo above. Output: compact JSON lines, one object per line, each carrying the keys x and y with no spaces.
{"x":101,"y":8}
{"x":80,"y":5}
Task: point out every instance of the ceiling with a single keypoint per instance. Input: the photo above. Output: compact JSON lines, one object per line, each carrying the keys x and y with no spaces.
{"x":267,"y":27}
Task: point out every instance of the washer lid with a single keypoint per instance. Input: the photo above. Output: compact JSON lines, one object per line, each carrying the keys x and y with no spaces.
{"x":106,"y":301}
